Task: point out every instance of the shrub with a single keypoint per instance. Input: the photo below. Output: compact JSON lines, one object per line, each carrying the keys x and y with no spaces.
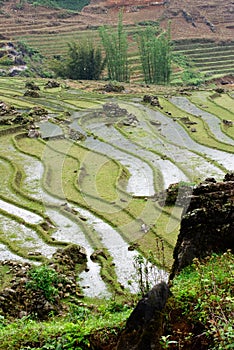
{"x":84,"y":62}
{"x":204,"y":291}
{"x":44,"y":279}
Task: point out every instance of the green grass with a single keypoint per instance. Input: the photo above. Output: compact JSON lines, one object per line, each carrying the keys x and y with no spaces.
{"x":75,"y":332}
{"x":204,"y":292}
{"x":106,"y":179}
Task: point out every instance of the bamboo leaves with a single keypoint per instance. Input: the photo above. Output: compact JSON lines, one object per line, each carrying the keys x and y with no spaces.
{"x":116,"y":49}
{"x":155,"y":55}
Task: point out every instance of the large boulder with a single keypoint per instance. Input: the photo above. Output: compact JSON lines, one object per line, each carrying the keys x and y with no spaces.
{"x":144,"y":327}
{"x":208,"y":225}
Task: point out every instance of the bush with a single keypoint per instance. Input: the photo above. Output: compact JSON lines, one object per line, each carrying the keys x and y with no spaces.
{"x":205,"y":293}
{"x":84,"y":62}
{"x":68,"y":4}
{"x":44,"y":279}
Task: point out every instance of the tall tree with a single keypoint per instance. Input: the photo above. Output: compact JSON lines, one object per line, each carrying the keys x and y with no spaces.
{"x":116,"y":46}
{"x":155,"y":55}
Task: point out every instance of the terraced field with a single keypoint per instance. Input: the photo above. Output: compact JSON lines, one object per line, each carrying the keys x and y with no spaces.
{"x":209,"y":58}
{"x":94,"y":176}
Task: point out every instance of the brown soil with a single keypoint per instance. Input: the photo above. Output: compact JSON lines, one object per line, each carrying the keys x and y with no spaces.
{"x":214,"y":19}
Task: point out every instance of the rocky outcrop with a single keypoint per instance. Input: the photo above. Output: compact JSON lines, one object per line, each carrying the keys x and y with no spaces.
{"x":144,"y":327}
{"x":153,"y":100}
{"x":32,"y":86}
{"x":18,"y":300}
{"x":71,"y":255}
{"x":32,"y":93}
{"x":208,"y":224}
{"x":52,"y":84}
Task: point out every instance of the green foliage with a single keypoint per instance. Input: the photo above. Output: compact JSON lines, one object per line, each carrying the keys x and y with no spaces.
{"x":62,"y":333}
{"x":68,"y":4}
{"x":27,"y":50}
{"x":155,"y":55}
{"x":191,"y":77}
{"x":115,"y":45}
{"x":165,"y":341}
{"x":180,"y":60}
{"x":147,"y":273}
{"x":205,"y":292}
{"x":44,"y":279}
{"x":84,"y":62}
{"x":6,"y":61}
{"x":149,"y":23}
{"x":77,"y":313}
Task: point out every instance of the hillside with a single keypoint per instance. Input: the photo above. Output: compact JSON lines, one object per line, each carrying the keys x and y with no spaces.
{"x":211,"y":20}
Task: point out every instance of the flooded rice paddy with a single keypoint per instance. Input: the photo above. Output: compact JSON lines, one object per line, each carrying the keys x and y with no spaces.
{"x":156,"y":152}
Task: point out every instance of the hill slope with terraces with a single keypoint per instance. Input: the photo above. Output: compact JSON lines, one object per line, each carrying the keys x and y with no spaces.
{"x":214,"y":19}
{"x":207,"y":28}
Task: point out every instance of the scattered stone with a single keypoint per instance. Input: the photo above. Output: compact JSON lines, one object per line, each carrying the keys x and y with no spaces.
{"x":52,"y":84}
{"x":113,"y":88}
{"x":38,"y":113}
{"x":32,"y":93}
{"x":73,"y":253}
{"x":34,"y":133}
{"x":76,"y":135}
{"x":30,"y":85}
{"x":133,"y":246}
{"x":227,"y":122}
{"x":187,"y":121}
{"x":153,"y":100}
{"x":155,"y":122}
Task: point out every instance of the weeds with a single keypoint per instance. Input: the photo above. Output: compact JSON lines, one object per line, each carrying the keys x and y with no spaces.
{"x":205,"y":293}
{"x":147,"y":273}
{"x":44,"y":279}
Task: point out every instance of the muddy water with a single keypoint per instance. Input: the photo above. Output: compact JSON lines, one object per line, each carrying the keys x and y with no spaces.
{"x":24,"y":214}
{"x":24,"y":238}
{"x":212,"y":121}
{"x":192,"y":165}
{"x":175,"y":133}
{"x":118,"y":248}
{"x":69,"y":231}
{"x":141,"y":181}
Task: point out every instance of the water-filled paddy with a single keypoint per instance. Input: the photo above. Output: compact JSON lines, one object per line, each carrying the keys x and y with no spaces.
{"x":156,"y":152}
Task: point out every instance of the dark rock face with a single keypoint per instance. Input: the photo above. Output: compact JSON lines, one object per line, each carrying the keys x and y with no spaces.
{"x":145,"y":324}
{"x":208,"y":225}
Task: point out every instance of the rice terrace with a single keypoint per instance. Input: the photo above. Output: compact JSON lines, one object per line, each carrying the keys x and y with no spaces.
{"x":104,"y":166}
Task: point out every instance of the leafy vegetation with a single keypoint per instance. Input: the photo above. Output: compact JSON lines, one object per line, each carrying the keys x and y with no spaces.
{"x":115,"y":45}
{"x":155,"y":54}
{"x":81,"y":327}
{"x":44,"y":279}
{"x":68,"y":5}
{"x":84,"y":62}
{"x":204,"y":292}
